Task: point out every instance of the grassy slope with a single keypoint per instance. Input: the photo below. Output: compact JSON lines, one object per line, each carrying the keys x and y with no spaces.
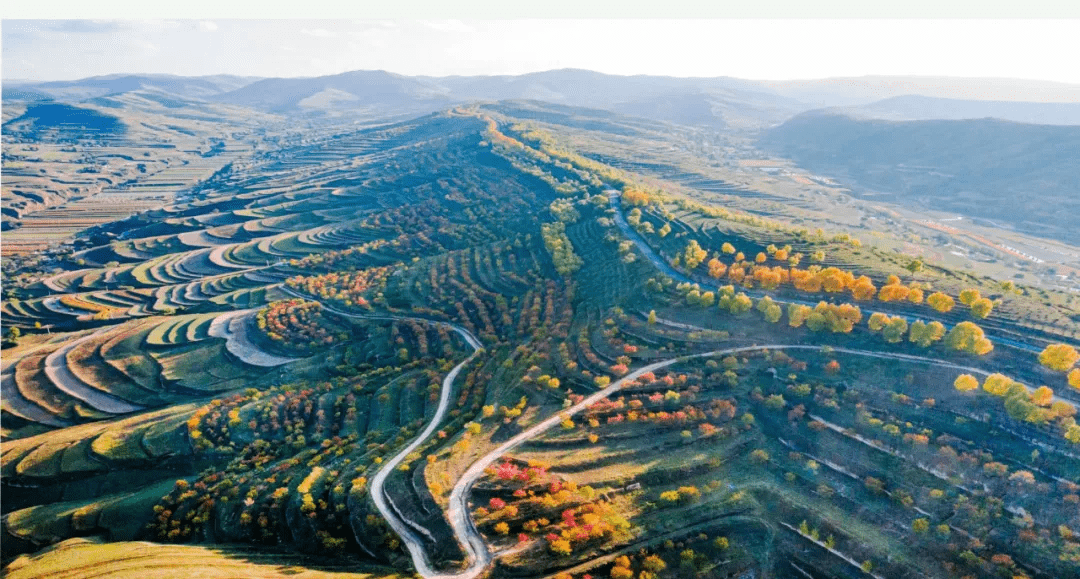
{"x":136,"y":560}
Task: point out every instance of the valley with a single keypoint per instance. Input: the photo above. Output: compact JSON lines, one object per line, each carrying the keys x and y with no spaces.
{"x":486,"y":335}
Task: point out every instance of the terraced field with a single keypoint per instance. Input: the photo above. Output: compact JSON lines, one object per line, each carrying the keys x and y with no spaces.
{"x":467,"y":344}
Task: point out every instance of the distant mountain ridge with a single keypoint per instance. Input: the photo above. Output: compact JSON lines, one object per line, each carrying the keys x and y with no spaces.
{"x":96,"y":86}
{"x":716,"y":102}
{"x":917,"y":107}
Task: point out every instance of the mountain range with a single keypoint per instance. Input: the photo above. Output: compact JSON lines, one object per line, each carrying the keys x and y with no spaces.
{"x":712,"y":102}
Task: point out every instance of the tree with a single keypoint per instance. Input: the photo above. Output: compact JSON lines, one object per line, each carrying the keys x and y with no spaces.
{"x":893,"y":292}
{"x":997,"y":384}
{"x":665,"y":230}
{"x":966,"y":383}
{"x":741,"y":303}
{"x":1074,"y":378}
{"x":1042,"y":396}
{"x":863,"y":289}
{"x":775,"y":402}
{"x":981,"y":307}
{"x":652,"y":317}
{"x":773,"y":313}
{"x":940,"y":302}
{"x":877,"y":321}
{"x":1059,"y":357}
{"x":561,"y":547}
{"x":635,"y":197}
{"x":925,"y":334}
{"x":894,"y":331}
{"x":968,"y":296}
{"x":1072,"y":433}
{"x":797,"y":314}
{"x":654,"y":564}
{"x":967,"y":337}
{"x":502,"y":528}
{"x":727,"y":248}
{"x":693,"y":255}
{"x":13,"y":334}
{"x":716,"y":268}
{"x":920,"y":525}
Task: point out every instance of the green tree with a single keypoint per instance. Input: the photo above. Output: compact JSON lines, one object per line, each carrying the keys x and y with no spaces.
{"x":969,"y":338}
{"x":925,"y":334}
{"x":894,"y":331}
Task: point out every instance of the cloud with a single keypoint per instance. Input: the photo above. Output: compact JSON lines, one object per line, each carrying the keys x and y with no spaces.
{"x":208,"y":25}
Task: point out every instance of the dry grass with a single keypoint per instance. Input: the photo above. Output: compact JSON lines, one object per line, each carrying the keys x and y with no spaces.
{"x":137,"y":560}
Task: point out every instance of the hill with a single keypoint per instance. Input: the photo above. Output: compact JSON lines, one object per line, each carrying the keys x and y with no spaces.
{"x":525,"y":339}
{"x":1021,"y":176}
{"x":96,"y":86}
{"x":854,"y":91}
{"x":921,"y":108}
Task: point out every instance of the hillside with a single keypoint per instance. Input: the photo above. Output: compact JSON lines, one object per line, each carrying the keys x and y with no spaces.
{"x":1020,"y":176}
{"x":520,"y":339}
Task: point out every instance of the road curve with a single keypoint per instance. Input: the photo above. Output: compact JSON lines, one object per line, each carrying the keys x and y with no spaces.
{"x":458,"y":512}
{"x":378,"y":482}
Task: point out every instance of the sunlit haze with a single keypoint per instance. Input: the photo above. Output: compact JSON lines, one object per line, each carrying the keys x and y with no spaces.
{"x":755,"y":49}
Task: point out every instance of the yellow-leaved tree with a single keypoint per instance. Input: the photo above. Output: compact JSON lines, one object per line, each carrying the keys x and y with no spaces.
{"x":1059,"y":357}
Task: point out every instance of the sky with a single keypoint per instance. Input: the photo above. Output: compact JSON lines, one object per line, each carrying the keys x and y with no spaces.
{"x":744,"y":48}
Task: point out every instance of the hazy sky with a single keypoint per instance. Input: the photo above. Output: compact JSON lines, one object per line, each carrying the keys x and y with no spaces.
{"x":758,"y":49}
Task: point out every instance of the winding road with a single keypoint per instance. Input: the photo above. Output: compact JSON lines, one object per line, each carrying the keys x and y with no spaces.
{"x":378,"y":483}
{"x":458,"y":512}
{"x":471,"y":539}
{"x":478,"y":555}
